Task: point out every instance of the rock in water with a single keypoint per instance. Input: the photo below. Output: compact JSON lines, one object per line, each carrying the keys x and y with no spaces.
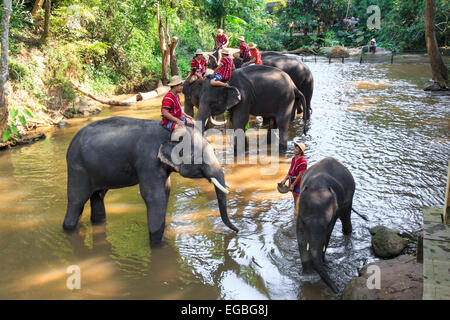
{"x":386,"y":243}
{"x":399,"y":279}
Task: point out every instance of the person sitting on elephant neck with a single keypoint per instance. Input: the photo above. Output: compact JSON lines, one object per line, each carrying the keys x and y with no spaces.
{"x":173,"y":117}
{"x":222,"y":74}
{"x":244,"y":51}
{"x":255,"y":56}
{"x":295,"y":173}
{"x":198,"y":67}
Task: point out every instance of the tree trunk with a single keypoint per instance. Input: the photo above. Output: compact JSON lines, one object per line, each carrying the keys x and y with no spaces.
{"x":164,"y":46}
{"x":173,"y":57}
{"x":37,"y":6}
{"x":4,"y":112}
{"x":48,"y":5}
{"x":438,"y":68}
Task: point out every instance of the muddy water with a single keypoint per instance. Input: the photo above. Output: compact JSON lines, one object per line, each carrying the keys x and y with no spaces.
{"x":374,"y":118}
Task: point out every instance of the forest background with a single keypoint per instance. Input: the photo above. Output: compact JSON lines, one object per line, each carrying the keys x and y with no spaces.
{"x":113,"y":47}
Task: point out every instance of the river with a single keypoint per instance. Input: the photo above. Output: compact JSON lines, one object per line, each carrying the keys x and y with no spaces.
{"x":374,"y":118}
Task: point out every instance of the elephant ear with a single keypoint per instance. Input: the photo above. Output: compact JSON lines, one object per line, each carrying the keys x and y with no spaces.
{"x":233,"y":97}
{"x":165,"y":155}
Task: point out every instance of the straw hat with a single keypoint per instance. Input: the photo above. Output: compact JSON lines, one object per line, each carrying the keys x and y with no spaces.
{"x":219,"y":32}
{"x":225,"y":51}
{"x":251,"y":45}
{"x":241,"y":38}
{"x":176,"y":80}
{"x":282,"y":188}
{"x":300,"y":145}
{"x":199,"y":51}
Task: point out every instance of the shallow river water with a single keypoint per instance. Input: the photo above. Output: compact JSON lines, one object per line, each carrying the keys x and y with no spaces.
{"x":374,"y":118}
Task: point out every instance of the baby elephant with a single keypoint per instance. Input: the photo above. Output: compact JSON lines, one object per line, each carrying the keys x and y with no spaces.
{"x":326,"y":193}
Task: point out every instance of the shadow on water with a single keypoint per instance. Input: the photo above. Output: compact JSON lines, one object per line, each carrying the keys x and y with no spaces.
{"x":374,"y":118}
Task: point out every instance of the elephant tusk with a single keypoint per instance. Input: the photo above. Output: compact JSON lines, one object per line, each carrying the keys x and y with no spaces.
{"x":307,"y":246}
{"x":259,"y":118}
{"x":324,"y":249}
{"x":206,"y":121}
{"x":217,"y":123}
{"x":227,"y":185}
{"x":218,"y":185}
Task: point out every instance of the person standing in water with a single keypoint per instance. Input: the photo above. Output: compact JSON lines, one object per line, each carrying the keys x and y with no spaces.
{"x":296,"y":172}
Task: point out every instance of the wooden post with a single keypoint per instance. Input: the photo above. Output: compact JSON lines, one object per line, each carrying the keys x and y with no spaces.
{"x":392,"y":57}
{"x":447,"y":197}
{"x":315,"y":58}
{"x":342,"y":59}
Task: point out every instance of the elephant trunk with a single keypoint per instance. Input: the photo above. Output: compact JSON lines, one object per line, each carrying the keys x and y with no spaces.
{"x":220,"y":185}
{"x":203,"y":114}
{"x":319,"y":267}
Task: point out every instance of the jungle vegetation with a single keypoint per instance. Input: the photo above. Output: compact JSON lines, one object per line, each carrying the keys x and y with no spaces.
{"x":112,"y":47}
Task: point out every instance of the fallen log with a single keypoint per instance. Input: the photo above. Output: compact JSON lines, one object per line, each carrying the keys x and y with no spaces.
{"x":141,"y":96}
{"x":108,"y":102}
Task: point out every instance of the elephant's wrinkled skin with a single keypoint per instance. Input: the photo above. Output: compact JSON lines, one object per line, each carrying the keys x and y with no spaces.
{"x":299,"y":73}
{"x":326,"y":194}
{"x":119,"y":152}
{"x":256,"y":90}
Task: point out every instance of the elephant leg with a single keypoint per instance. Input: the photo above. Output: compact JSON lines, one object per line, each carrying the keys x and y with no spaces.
{"x":346,"y":220}
{"x":239,"y":122}
{"x":272,"y":125}
{"x":78,"y":193}
{"x":154,"y":191}
{"x":98,"y":214}
{"x":283,"y":126}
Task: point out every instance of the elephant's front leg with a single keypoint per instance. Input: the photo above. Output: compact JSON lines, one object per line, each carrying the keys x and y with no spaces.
{"x":239,"y":121}
{"x":154,"y":191}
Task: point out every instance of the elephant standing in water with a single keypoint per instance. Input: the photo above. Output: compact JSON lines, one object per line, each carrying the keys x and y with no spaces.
{"x":299,"y":73}
{"x":255,"y":90}
{"x":119,"y":152}
{"x":326,"y":194}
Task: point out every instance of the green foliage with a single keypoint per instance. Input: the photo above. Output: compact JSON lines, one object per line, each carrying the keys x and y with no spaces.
{"x":16,"y":116}
{"x":16,"y":70}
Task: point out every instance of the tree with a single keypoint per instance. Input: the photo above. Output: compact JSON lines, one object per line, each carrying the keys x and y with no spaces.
{"x":7,"y":8}
{"x":37,"y":6}
{"x":438,"y":68}
{"x":48,"y":5}
{"x":167,"y":48}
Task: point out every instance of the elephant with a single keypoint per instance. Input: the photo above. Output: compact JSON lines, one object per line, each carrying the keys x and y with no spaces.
{"x":257,"y":90}
{"x":299,"y":73}
{"x":326,"y":193}
{"x":118,"y":152}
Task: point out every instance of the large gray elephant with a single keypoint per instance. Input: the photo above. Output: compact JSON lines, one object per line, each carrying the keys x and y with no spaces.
{"x":256,"y":90}
{"x":326,"y":194}
{"x":299,"y":73}
{"x":119,"y":152}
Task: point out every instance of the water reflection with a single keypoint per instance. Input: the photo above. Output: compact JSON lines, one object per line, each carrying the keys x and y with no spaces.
{"x":375,"y":119}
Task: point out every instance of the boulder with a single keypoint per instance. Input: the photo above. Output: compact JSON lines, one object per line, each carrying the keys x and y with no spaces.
{"x":386,"y":242}
{"x":400,"y":279}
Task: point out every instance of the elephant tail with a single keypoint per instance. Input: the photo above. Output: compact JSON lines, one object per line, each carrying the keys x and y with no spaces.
{"x":359,"y":214}
{"x":299,"y":100}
